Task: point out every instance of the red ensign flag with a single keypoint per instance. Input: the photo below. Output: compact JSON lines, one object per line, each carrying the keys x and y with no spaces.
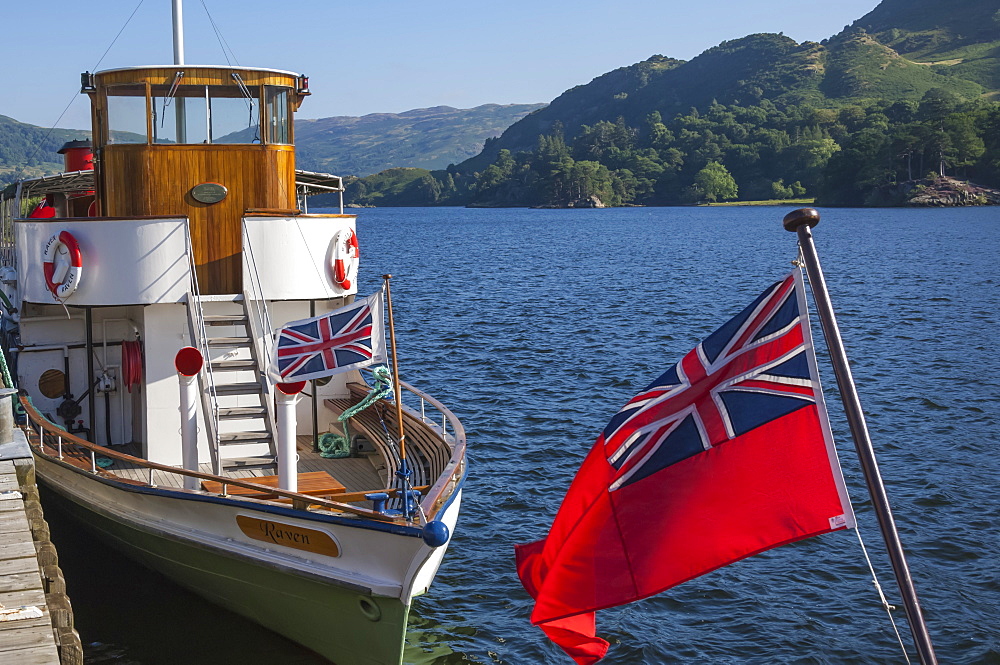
{"x":727,"y":454}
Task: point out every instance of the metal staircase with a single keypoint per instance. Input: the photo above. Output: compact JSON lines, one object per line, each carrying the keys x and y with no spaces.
{"x":236,"y":402}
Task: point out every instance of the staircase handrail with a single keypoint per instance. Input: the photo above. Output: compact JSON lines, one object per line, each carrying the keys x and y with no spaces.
{"x":260,"y":328}
{"x":199,"y":338}
{"x":260,"y":317}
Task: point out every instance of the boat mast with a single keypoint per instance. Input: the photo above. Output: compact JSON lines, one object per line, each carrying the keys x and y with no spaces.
{"x":178,"y":32}
{"x":181,"y":120}
{"x":800,"y":222}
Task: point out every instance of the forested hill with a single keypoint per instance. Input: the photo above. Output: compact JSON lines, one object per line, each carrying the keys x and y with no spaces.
{"x":27,"y":150}
{"x":853,"y":67}
{"x":907,"y":90}
{"x":429,"y":138}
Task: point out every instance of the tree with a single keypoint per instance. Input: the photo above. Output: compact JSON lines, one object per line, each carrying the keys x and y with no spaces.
{"x":715,"y":183}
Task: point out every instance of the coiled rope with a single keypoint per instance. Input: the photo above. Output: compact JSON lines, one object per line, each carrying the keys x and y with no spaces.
{"x":333,"y":446}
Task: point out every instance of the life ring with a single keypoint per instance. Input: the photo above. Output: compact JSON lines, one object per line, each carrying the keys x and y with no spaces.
{"x":62,"y":265}
{"x":345,"y":258}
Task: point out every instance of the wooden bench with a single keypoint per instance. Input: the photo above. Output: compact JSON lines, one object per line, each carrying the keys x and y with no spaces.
{"x":428,"y":453}
{"x":313,"y":483}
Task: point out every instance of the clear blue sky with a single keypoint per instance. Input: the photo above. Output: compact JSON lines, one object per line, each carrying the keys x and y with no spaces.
{"x":372,"y":56}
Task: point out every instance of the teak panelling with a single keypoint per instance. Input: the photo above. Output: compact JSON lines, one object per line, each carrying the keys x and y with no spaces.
{"x":193,"y":75}
{"x":143,"y":180}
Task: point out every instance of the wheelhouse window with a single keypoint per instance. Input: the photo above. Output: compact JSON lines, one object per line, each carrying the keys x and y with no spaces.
{"x":180,"y":115}
{"x":206,"y":114}
{"x":188,"y":114}
{"x":234,"y":113}
{"x":276,"y":100}
{"x":127,"y":113}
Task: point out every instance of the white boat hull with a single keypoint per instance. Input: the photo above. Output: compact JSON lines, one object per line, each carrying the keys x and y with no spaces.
{"x":351,"y":608}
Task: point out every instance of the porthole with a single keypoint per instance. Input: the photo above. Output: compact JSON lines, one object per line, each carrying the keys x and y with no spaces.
{"x":52,"y":383}
{"x":369,"y":608}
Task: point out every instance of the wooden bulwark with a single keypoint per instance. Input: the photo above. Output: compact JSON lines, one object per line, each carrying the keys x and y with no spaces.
{"x":432,"y":460}
{"x":424,"y":446}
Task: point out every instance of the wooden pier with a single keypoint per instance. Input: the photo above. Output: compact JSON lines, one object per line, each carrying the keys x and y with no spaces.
{"x":36,"y":619}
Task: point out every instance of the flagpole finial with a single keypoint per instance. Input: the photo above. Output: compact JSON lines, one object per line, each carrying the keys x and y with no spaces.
{"x":386,"y":276}
{"x":796,"y":218}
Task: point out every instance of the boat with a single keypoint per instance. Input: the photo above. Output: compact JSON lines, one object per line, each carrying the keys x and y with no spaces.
{"x":141,"y":290}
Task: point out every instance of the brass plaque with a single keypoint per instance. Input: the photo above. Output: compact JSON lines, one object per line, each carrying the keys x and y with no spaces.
{"x":209,"y":192}
{"x":286,"y":535}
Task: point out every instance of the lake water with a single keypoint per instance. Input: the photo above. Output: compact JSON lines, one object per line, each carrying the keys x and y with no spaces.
{"x":535,"y":326}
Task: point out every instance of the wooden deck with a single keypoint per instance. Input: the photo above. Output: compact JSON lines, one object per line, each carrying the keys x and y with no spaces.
{"x":356,"y":474}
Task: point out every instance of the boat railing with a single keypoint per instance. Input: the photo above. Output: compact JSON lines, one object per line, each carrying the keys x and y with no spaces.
{"x":256,"y":305}
{"x":56,"y":443}
{"x":260,"y":327}
{"x":10,"y":209}
{"x":199,"y":337}
{"x":439,"y":418}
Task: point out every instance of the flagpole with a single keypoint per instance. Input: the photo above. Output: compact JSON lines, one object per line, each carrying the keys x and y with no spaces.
{"x":403,"y":468}
{"x":801,"y":222}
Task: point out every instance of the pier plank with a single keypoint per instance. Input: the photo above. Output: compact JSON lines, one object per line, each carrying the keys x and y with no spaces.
{"x":17,"y":579}
{"x":22,"y":641}
{"x":40,"y":655}
{"x":17,"y":549}
{"x":13,"y":522}
{"x":17,"y":636}
{"x":20,"y":597}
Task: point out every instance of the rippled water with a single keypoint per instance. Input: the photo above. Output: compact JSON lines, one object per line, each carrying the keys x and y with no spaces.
{"x":535,"y":326}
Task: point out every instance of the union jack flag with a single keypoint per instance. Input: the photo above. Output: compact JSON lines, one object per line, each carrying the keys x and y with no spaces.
{"x":752,"y":370}
{"x":347,"y":338}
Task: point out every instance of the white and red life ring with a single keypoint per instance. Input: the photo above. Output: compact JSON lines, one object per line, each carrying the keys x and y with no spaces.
{"x":345,"y":258}
{"x":62,"y":264}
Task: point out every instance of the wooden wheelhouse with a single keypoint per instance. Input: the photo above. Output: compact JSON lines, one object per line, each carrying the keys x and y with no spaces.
{"x":207,"y":143}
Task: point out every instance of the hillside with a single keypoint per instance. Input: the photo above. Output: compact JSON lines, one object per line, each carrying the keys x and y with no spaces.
{"x":960,"y":38}
{"x":429,"y":138}
{"x":27,"y":150}
{"x":847,"y":69}
{"x":902,"y":95}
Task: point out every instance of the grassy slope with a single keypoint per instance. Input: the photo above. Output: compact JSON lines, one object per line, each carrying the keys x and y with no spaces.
{"x":962,"y":36}
{"x":424,"y":138}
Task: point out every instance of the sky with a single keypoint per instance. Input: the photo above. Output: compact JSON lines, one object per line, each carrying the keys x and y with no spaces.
{"x":381,"y":56}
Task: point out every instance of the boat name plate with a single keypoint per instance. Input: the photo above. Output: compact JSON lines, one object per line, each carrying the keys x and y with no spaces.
{"x":209,"y":192}
{"x":288,"y":535}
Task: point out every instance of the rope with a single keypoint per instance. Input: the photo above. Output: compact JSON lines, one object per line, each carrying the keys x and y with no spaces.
{"x":878,"y":587}
{"x":220,"y":38}
{"x":7,"y":381}
{"x":77,"y":94}
{"x":332,"y":446}
{"x":6,"y":301}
